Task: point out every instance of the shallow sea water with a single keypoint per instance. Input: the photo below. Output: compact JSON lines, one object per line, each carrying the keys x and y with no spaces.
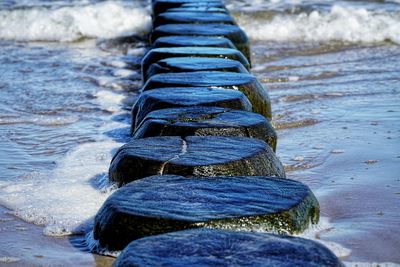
{"x":332,"y":75}
{"x":339,"y":133}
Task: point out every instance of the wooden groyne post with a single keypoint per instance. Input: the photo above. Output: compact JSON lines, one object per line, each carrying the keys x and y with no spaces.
{"x":200,"y":170}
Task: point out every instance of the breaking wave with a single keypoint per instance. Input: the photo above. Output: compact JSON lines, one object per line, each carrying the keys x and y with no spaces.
{"x":108,"y":19}
{"x":346,"y":24}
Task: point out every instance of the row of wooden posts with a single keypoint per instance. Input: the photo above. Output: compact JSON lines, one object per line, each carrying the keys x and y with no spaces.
{"x":199,"y":178}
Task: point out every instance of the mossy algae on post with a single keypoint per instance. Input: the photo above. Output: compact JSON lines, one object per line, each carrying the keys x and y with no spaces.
{"x":166,"y":203}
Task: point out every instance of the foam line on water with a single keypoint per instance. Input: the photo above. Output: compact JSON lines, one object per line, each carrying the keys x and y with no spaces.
{"x":65,"y":199}
{"x":94,"y":246}
{"x":346,"y":24}
{"x":371,"y":264}
{"x":44,"y":120}
{"x":324,"y":225}
{"x":107,"y":19}
{"x":109,"y":100}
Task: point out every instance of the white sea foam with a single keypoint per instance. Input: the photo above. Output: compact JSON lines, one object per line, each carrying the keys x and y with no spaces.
{"x":137,"y":51}
{"x":9,"y":259}
{"x":126,"y":73}
{"x":109,"y":100}
{"x":314,"y":231}
{"x":348,"y":24}
{"x":117,"y":64}
{"x":107,"y":19}
{"x":115,"y":83}
{"x":94,"y":246}
{"x":65,"y":199}
{"x":45,"y":120}
{"x":371,"y":264}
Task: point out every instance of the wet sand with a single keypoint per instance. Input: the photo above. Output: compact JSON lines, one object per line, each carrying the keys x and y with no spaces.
{"x":23,"y":244}
{"x":358,"y":184}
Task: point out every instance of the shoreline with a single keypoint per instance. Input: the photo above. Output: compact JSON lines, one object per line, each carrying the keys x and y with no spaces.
{"x":30,"y":247}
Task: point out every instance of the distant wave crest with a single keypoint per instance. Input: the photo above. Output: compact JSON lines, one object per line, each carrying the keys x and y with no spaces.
{"x":67,"y":24}
{"x":340,"y":24}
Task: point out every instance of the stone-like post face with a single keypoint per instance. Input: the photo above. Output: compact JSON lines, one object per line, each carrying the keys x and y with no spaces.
{"x":208,"y":247}
{"x":157,"y":54}
{"x":162,"y":6}
{"x":194,"y":156}
{"x":205,"y":121}
{"x":231,"y":32}
{"x":246,"y":83}
{"x":193,"y":41}
{"x":186,"y":97}
{"x":166,"y":203}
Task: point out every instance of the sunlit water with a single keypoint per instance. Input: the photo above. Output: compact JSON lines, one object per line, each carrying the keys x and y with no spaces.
{"x":331,"y":68}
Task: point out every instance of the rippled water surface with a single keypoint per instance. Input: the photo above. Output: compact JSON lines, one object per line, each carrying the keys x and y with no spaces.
{"x":332,"y":71}
{"x":338,"y":114}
